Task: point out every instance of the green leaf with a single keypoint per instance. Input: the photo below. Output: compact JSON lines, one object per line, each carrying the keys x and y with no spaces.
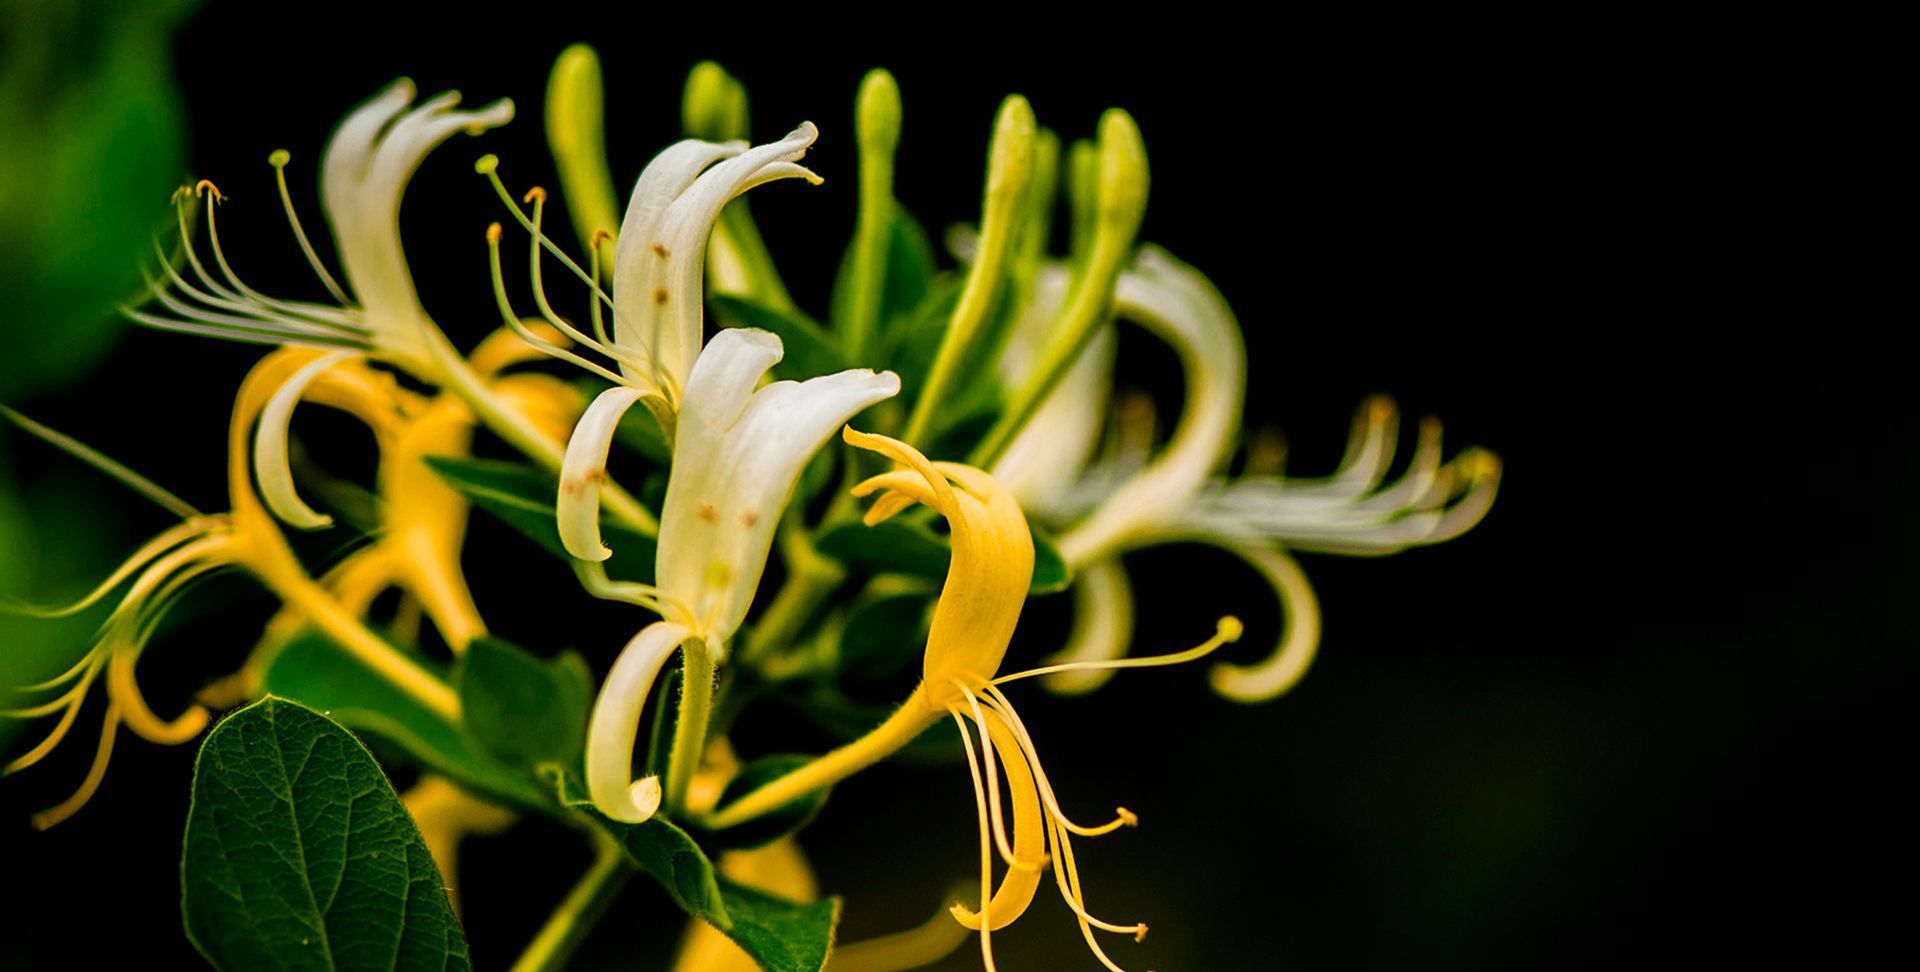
{"x":522,"y":709}
{"x":1050,"y":571}
{"x":895,"y":546}
{"x":775,"y":824}
{"x":783,"y":936}
{"x":883,"y":634}
{"x":310,"y":669}
{"x":523,"y":497}
{"x":891,"y":546}
{"x":299,"y":855}
{"x":807,"y":351}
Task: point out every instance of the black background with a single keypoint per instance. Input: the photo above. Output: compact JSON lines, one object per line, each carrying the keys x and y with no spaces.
{"x":1646,"y":713}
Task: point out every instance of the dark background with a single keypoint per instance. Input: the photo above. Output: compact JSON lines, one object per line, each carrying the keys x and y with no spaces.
{"x":1647,"y":713}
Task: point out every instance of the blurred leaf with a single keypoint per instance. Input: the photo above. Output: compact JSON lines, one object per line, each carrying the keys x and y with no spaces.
{"x":311,"y":670}
{"x":94,"y":146}
{"x":895,"y":546}
{"x":780,"y":935}
{"x":522,"y":709}
{"x":523,"y":497}
{"x":299,"y":855}
{"x":807,"y":352}
{"x":640,"y":431}
{"x":883,"y":634}
{"x":775,"y":824}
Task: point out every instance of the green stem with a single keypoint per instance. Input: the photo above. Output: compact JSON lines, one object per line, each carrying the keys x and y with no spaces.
{"x":690,"y":730}
{"x":583,"y":907}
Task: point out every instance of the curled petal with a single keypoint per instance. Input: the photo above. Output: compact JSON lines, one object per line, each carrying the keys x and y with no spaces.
{"x":616,"y":722}
{"x":1299,"y":636}
{"x":585,"y":468}
{"x":270,"y":455}
{"x":1102,"y":627}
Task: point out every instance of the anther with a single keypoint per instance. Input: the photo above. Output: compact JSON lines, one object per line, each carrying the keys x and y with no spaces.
{"x":279,"y":158}
{"x":493,"y":234}
{"x":536,"y":194}
{"x":1127,"y":817}
{"x":599,"y":235}
{"x":486,"y":164}
{"x":204,"y":186}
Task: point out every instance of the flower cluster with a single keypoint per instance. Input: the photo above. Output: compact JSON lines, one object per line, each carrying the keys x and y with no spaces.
{"x":982,"y":393}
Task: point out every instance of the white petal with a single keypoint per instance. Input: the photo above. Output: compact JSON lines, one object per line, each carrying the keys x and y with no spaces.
{"x":1299,"y":635}
{"x":1182,"y":307}
{"x":364,"y":173}
{"x":584,"y":470}
{"x":271,"y":463}
{"x":615,"y":723}
{"x":737,"y":455}
{"x":658,"y":297}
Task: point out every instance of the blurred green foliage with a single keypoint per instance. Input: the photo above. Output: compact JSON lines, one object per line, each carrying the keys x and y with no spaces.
{"x":96,"y":137}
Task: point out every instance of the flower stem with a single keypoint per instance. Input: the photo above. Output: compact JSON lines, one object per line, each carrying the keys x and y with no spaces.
{"x":583,"y":907}
{"x":690,"y":730}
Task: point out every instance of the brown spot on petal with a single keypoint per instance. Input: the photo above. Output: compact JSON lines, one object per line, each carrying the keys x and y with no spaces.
{"x":705,"y":511}
{"x":749,"y":518}
{"x":660,"y":250}
{"x":660,"y":295}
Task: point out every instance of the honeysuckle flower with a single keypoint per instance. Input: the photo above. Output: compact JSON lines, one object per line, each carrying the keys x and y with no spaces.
{"x":1178,"y":494}
{"x":157,"y":574}
{"x":736,"y":458}
{"x":973,"y":620}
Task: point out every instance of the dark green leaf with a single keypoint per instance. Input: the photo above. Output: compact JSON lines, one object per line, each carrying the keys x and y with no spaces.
{"x":807,"y":351}
{"x":883,"y":634}
{"x":640,"y":431}
{"x":524,"y":497}
{"x":783,"y":936}
{"x":299,"y":855}
{"x":910,"y":268}
{"x":775,"y":824}
{"x":310,"y":669}
{"x":895,"y":546}
{"x":521,"y":709}
{"x":890,"y":546}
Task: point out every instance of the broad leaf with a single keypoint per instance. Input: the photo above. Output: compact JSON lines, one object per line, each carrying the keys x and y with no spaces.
{"x":783,"y":936}
{"x":883,"y":634}
{"x":300,"y":856}
{"x":311,"y":669}
{"x":522,"y":709}
{"x":524,"y":497}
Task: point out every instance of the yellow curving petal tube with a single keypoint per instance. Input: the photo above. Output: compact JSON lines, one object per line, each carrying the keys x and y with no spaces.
{"x":992,"y":561}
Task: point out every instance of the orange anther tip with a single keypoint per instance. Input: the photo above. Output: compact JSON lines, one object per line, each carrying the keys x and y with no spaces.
{"x":536,"y":193}
{"x":205,"y":186}
{"x":493,"y":232}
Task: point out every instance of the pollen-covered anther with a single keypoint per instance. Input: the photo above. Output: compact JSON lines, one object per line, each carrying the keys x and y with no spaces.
{"x":493,"y":234}
{"x":205,"y":186}
{"x":279,"y":158}
{"x":1127,"y":818}
{"x":600,"y":235}
{"x":536,"y":194}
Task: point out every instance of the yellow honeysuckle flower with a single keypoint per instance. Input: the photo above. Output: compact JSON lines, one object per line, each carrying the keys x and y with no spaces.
{"x":245,"y":537}
{"x":736,"y":459}
{"x":978,"y":608}
{"x":1134,"y":500}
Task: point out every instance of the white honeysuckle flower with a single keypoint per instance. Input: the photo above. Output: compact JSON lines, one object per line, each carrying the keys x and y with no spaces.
{"x":364,"y":174}
{"x":658,"y":293}
{"x":365,"y":169}
{"x":736,"y":458}
{"x":1177,"y":494}
{"x":1181,"y":307}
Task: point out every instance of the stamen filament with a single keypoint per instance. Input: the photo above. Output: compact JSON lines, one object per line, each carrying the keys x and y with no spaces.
{"x":110,"y":725}
{"x":1228,"y":631}
{"x":168,"y":539}
{"x":92,"y":457}
{"x":489,"y":166}
{"x":279,"y":161}
{"x":520,"y":327}
{"x":608,"y":348}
